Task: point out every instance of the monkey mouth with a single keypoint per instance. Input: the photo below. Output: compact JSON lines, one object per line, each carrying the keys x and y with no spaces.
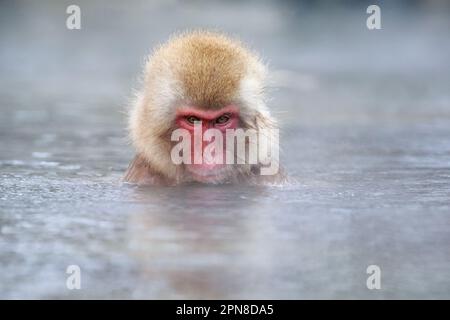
{"x":207,"y":173}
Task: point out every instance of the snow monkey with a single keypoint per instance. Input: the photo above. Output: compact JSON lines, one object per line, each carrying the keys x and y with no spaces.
{"x":201,"y":89}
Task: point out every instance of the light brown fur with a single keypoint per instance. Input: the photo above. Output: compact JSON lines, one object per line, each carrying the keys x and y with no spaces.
{"x":203,"y":69}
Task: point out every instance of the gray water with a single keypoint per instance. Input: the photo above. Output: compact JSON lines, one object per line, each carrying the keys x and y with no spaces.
{"x":365,"y":121}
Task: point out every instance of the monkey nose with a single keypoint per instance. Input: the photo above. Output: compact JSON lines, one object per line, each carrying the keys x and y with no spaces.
{"x":208,"y":125}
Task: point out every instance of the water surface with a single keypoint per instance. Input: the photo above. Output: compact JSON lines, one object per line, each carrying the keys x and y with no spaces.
{"x":366,"y":132}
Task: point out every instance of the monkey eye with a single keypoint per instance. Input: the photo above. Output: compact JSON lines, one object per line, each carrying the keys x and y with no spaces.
{"x":192,"y":119}
{"x":223,"y":119}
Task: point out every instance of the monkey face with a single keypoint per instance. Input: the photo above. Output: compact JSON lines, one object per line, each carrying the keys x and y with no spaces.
{"x":207,"y":127}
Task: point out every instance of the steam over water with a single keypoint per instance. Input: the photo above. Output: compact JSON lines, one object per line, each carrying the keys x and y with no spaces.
{"x":365,"y":119}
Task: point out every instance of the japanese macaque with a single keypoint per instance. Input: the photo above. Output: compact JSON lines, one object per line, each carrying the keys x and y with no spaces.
{"x":198,"y":82}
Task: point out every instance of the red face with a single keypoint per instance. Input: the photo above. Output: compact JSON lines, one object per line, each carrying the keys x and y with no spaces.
{"x":223,"y":119}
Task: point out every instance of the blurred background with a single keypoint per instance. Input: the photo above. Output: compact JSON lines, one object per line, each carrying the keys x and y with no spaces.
{"x":365,"y":118}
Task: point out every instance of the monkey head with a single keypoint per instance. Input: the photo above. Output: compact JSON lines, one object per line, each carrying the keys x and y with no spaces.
{"x":197,"y":78}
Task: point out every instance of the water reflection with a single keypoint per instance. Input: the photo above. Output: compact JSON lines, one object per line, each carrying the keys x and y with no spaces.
{"x":200,"y":241}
